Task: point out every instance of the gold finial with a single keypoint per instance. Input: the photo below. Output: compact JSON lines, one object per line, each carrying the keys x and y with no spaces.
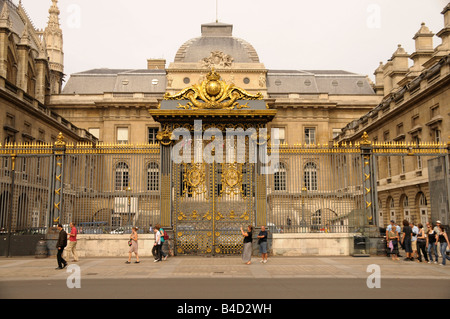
{"x":60,"y":140}
{"x":365,"y":139}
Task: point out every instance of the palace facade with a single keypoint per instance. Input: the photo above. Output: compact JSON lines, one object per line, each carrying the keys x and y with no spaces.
{"x":101,"y":112}
{"x":414,"y":110}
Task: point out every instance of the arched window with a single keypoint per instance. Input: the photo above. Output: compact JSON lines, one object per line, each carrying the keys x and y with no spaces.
{"x":152,"y":177}
{"x":423,"y":210}
{"x":310,"y":176}
{"x":122,"y":176}
{"x":279,"y":177}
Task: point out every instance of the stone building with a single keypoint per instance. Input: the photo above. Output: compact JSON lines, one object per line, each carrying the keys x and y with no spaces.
{"x":31,"y":70}
{"x":414,"y":111}
{"x":312,"y":105}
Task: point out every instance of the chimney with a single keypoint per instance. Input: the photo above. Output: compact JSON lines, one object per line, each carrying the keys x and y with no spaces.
{"x":156,"y":64}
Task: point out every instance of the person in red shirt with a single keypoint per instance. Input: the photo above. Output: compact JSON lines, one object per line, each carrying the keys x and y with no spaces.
{"x":72,"y":247}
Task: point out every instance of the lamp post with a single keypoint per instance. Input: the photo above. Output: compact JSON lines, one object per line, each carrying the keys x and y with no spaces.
{"x":129,"y":204}
{"x":304,"y":191}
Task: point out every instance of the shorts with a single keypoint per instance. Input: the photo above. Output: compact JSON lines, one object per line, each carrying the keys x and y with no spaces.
{"x":263,"y":247}
{"x":414,"y":245}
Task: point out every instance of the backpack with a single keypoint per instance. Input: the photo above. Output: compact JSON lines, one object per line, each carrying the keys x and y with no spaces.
{"x":166,"y":236}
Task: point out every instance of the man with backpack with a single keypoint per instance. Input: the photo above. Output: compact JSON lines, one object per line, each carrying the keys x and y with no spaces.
{"x":164,"y":238}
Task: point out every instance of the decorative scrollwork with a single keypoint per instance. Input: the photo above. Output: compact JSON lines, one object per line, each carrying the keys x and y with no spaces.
{"x":213,"y":94}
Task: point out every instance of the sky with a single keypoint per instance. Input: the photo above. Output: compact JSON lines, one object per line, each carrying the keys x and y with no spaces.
{"x":351,"y":35}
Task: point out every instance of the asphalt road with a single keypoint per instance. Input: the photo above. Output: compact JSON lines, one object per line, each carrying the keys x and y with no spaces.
{"x":227,"y":288}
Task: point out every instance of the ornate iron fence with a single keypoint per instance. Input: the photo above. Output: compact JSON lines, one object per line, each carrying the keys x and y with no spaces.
{"x":107,"y":188}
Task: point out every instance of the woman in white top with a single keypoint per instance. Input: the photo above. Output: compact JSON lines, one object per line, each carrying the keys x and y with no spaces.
{"x":157,"y":244}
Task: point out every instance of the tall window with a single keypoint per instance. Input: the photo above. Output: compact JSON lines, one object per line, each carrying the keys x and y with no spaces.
{"x":310,"y":176}
{"x":122,"y":176}
{"x":279,"y":177}
{"x":281,"y":134}
{"x":152,"y":131}
{"x":419,"y":159}
{"x":122,"y":135}
{"x":437,"y":135}
{"x":392,"y":208}
{"x":152,"y":177}
{"x":310,"y":135}
{"x":423,"y":211}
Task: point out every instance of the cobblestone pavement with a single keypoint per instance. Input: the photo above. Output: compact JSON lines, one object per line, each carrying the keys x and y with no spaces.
{"x":30,"y":268}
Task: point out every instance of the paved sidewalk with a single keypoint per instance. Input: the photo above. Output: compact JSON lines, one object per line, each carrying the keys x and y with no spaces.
{"x":30,"y":268}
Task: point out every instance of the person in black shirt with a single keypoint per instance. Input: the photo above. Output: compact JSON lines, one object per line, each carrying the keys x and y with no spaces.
{"x":61,"y":244}
{"x":247,"y":251}
{"x":262,"y":241}
{"x":406,"y":240}
{"x":431,"y":244}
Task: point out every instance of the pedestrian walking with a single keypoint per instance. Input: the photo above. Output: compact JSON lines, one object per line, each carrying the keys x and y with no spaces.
{"x":392,"y":242}
{"x":443,"y":244}
{"x":163,"y":241}
{"x":406,"y":240}
{"x":437,"y":230}
{"x":133,"y":243}
{"x":262,"y":242}
{"x":431,"y":244}
{"x":421,"y":244}
{"x":415,"y":232}
{"x":247,"y":251}
{"x":157,"y":244}
{"x":60,"y":245}
{"x":72,"y":246}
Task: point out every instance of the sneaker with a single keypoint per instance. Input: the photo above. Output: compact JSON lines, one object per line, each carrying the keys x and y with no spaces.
{"x":165,"y":258}
{"x":265,"y":261}
{"x":435,"y":262}
{"x":262,"y":260}
{"x":156,"y":260}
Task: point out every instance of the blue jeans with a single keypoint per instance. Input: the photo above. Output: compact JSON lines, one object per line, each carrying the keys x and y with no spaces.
{"x":432,"y":246}
{"x":443,"y":247}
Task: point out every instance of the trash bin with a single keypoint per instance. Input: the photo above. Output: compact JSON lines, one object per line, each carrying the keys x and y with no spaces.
{"x":51,"y":238}
{"x":41,"y":249}
{"x":360,"y":248}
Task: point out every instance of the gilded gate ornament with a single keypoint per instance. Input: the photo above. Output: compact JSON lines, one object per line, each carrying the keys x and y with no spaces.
{"x":232,"y":179}
{"x":213,"y":93}
{"x":194,"y":178}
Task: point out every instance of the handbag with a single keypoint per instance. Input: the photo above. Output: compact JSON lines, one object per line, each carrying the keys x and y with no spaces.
{"x":130,"y":242}
{"x":391,"y":245}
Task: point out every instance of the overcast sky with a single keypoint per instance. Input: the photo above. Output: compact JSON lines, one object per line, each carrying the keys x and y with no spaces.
{"x":352,"y":35}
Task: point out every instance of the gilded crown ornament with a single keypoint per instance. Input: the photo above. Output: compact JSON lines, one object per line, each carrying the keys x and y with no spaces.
{"x":213,"y":93}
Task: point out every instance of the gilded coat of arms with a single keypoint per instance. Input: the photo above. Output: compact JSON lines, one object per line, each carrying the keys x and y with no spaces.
{"x":213,"y":94}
